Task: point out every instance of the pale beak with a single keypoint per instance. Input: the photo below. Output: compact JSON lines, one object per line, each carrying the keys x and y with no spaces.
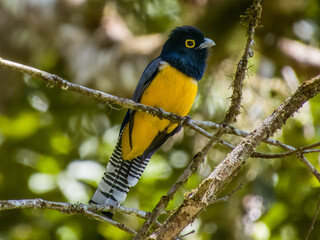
{"x":206,"y":44}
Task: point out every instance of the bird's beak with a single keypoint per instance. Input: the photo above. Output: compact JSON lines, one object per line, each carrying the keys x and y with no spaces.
{"x":206,"y":44}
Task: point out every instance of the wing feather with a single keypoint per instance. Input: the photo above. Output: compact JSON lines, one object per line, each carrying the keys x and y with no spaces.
{"x":148,"y":75}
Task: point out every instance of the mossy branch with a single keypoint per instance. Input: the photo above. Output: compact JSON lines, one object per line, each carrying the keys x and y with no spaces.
{"x":201,"y":197}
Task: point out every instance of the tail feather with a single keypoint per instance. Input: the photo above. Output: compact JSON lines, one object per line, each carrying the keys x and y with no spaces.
{"x":119,"y":177}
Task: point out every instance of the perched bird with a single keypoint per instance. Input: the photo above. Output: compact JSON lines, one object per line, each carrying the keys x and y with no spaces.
{"x":169,"y":82}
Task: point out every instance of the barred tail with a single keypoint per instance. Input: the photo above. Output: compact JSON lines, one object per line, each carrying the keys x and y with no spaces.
{"x":119,"y":177}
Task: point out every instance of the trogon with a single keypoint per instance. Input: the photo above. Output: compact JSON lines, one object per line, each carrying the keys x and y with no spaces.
{"x":169,"y":82}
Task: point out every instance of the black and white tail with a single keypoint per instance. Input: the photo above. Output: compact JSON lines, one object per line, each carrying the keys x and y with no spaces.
{"x":119,"y":177}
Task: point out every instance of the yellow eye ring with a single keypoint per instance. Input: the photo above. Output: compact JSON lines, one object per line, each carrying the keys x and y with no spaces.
{"x":190,"y":43}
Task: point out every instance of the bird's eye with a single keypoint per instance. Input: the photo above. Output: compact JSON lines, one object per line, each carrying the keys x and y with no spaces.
{"x":190,"y":43}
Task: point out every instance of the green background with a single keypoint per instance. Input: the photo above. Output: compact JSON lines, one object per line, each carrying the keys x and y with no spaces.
{"x":55,"y":144}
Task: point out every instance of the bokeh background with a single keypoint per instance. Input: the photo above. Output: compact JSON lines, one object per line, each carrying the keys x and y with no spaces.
{"x":55,"y":144}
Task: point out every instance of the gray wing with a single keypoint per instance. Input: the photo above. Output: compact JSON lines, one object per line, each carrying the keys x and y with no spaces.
{"x":147,"y":76}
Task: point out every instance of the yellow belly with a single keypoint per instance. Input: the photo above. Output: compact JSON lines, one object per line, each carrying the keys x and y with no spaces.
{"x":170,"y":90}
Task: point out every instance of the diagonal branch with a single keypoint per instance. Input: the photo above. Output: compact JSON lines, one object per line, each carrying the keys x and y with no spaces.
{"x":313,"y":220}
{"x":164,"y":201}
{"x":253,"y":14}
{"x":311,"y":168}
{"x":291,"y":150}
{"x":199,"y":198}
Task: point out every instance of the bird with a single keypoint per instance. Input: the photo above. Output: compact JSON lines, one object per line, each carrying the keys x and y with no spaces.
{"x":169,"y":82}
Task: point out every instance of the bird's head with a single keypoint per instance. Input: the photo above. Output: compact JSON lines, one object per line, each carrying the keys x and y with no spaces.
{"x":187,"y":50}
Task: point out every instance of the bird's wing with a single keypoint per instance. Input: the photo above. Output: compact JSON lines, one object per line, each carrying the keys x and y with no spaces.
{"x":147,"y":76}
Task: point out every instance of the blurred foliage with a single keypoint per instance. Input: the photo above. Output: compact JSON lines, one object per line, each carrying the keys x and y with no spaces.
{"x":55,"y":144}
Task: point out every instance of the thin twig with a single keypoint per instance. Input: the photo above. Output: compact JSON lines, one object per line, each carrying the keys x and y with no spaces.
{"x":313,"y":220}
{"x":282,"y":155}
{"x":229,"y":129}
{"x":238,"y":132}
{"x":317,"y":144}
{"x":185,"y":235}
{"x":311,"y":168}
{"x":226,"y":197}
{"x":302,"y":150}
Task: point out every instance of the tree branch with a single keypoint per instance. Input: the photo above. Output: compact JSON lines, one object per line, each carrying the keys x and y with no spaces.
{"x":301,"y":150}
{"x":291,"y":150}
{"x":199,"y":198}
{"x":253,"y":14}
{"x":311,"y":168}
{"x":313,"y":220}
{"x":53,"y":80}
{"x":76,"y":208}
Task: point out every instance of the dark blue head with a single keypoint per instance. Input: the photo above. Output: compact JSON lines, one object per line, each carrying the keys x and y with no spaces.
{"x":186,"y":50}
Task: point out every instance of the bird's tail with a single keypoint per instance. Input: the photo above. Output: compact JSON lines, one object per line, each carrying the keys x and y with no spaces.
{"x":119,"y":177}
